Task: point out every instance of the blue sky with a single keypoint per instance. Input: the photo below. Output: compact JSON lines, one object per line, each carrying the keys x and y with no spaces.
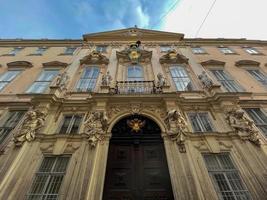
{"x":73,"y":18}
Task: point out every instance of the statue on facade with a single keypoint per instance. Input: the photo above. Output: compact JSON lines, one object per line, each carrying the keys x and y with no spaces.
{"x":205,"y":80}
{"x":106,"y":79}
{"x":177,"y":126}
{"x":62,"y":80}
{"x":33,"y":121}
{"x":96,"y":126}
{"x":161,"y":80}
{"x":242,"y":125}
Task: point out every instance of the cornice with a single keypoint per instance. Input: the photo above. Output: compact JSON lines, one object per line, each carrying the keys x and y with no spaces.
{"x":39,"y":42}
{"x":21,"y":64}
{"x":246,"y":62}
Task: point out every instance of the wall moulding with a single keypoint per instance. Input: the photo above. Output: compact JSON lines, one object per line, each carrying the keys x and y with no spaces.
{"x":21,"y":64}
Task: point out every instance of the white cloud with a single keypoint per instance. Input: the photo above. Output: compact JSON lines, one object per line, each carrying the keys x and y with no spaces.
{"x":228,"y":19}
{"x":143,"y":17}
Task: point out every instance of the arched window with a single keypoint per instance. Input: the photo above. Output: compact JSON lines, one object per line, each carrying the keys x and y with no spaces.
{"x":88,"y":79}
{"x":135,"y":73}
{"x":180,"y":78}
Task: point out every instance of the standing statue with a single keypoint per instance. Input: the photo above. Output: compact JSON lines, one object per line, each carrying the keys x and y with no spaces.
{"x":242,"y":125}
{"x":33,"y":121}
{"x":177,"y":127}
{"x":96,"y":126}
{"x":62,"y":80}
{"x":161,"y":80}
{"x":205,"y":80}
{"x":106,"y":79}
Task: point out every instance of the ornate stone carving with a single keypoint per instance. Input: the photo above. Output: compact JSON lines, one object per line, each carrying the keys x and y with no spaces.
{"x":96,"y":126}
{"x":62,"y":80}
{"x":95,"y":57}
{"x":205,"y":80}
{"x":136,"y":108}
{"x":176,"y":128}
{"x":33,"y":121}
{"x":243,"y":126}
{"x":161,"y":80}
{"x":106,"y":79}
{"x":173,"y":57}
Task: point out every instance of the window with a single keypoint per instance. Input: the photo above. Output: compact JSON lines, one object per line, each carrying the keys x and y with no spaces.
{"x":13,"y":118}
{"x":69,"y":50}
{"x":251,"y":50}
{"x":7,"y":77}
{"x":165,"y":49}
{"x":258,"y":75}
{"x":71,"y":124}
{"x":259,"y":118}
{"x":225,"y":177}
{"x":15,"y":51}
{"x":101,"y":49}
{"x":200,"y":122}
{"x":226,"y":50}
{"x":135,"y":73}
{"x":88,"y":79}
{"x":40,"y":51}
{"x":227,"y":82}
{"x":48,"y":179}
{"x":43,"y":81}
{"x":181,"y":78}
{"x":198,"y":50}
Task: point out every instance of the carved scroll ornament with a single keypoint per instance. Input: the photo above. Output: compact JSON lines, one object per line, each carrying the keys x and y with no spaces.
{"x":173,"y":57}
{"x":95,"y":57}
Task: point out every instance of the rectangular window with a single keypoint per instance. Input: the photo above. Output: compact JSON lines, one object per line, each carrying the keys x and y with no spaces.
{"x":13,"y":118}
{"x":43,"y":81}
{"x":48,"y":179}
{"x":226,"y":50}
{"x":69,"y":50}
{"x":259,"y":118}
{"x":181,"y":78}
{"x":258,"y":75}
{"x":251,"y":50}
{"x":225,"y":177}
{"x":71,"y":124}
{"x":227,"y":82}
{"x":15,"y":51}
{"x":198,"y":50}
{"x":200,"y":122}
{"x":40,"y":51}
{"x":165,"y":49}
{"x":88,"y":79}
{"x":7,"y":77}
{"x":101,"y":49}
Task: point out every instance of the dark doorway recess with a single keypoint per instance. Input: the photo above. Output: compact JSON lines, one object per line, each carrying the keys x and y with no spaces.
{"x":137,"y":167}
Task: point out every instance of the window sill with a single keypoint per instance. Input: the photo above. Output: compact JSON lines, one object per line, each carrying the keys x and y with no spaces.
{"x":35,"y":54}
{"x":66,"y":54}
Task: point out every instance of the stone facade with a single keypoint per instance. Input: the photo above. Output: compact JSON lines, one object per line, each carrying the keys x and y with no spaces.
{"x":155,"y":96}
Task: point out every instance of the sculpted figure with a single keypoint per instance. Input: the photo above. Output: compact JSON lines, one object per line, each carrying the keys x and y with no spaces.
{"x":177,"y":127}
{"x":161,"y":80}
{"x":62,"y":80}
{"x":96,"y":126}
{"x":242,"y":124}
{"x":106,"y":79}
{"x":34,"y":120}
{"x":205,"y":80}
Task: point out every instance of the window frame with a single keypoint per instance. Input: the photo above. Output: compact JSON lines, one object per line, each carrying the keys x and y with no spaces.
{"x":13,"y":52}
{"x":202,"y":50}
{"x":90,"y":79}
{"x":226,"y":50}
{"x":256,"y":51}
{"x":184,"y":68}
{"x":135,"y":67}
{"x":264,"y":81}
{"x":37,"y":53}
{"x":200,"y":122}
{"x":71,"y":124}
{"x":9,"y":81}
{"x":69,"y":53}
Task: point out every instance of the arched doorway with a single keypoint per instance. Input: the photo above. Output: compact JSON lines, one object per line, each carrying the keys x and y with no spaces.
{"x":137,"y":167}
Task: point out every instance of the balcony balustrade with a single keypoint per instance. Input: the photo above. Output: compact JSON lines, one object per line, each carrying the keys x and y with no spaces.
{"x":135,"y":87}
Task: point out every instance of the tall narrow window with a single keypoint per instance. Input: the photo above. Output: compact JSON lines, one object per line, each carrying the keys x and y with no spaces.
{"x":227,"y":82}
{"x":7,"y":77}
{"x":49,"y":178}
{"x":135,"y":73}
{"x":43,"y":81}
{"x":88,"y":79}
{"x":71,"y":124}
{"x":13,"y":118}
{"x":225,"y":177}
{"x":258,"y":75}
{"x":181,"y":78}
{"x":200,"y":122}
{"x":259,"y":118}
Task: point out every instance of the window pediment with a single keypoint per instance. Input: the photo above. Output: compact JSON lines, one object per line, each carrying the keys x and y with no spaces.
{"x":55,"y":64}
{"x":212,"y":62}
{"x":172,"y":57}
{"x":21,"y":64}
{"x":95,"y":57}
{"x":247,"y":62}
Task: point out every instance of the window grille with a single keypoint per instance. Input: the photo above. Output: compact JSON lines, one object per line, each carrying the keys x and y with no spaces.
{"x":7,"y":77}
{"x":181,"y":78}
{"x":225,"y":177}
{"x":259,"y":118}
{"x":88,"y":79}
{"x":200,"y":122}
{"x":70,"y":124}
{"x":258,"y":75}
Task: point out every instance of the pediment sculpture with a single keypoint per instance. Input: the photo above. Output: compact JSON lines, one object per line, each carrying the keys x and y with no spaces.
{"x":96,"y":126}
{"x":95,"y":57}
{"x":33,"y":121}
{"x":177,"y":127}
{"x":173,"y":57}
{"x":243,"y":126}
{"x":134,"y":54}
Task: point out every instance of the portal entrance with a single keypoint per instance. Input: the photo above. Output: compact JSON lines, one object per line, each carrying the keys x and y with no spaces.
{"x":137,"y":167}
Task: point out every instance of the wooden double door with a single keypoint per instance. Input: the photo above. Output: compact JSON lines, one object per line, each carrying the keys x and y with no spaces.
{"x":137,"y":170}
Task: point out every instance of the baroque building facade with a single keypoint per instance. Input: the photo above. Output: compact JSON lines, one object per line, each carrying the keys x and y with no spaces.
{"x":133,"y":114}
